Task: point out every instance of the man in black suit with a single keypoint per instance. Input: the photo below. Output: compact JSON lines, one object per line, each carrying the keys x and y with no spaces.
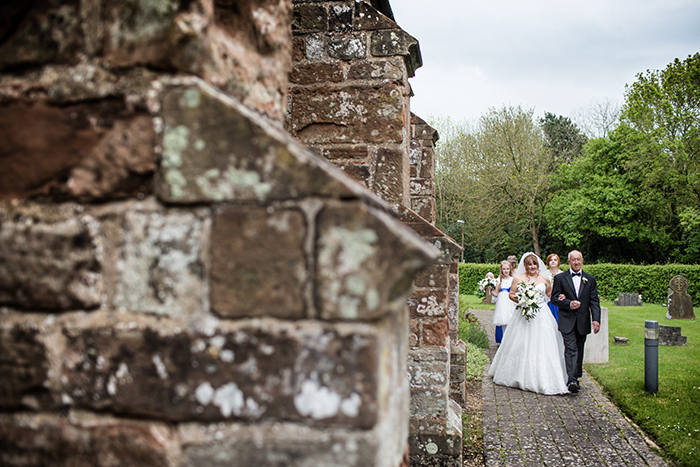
{"x":576,"y":294}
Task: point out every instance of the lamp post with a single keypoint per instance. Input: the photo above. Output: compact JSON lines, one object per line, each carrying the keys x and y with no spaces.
{"x":462,"y":258}
{"x":651,"y":356}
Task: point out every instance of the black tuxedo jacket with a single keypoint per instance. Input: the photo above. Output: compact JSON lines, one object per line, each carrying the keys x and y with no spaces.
{"x":588,"y":296}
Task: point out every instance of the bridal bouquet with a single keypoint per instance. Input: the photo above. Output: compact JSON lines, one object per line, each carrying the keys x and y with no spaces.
{"x":528,"y":296}
{"x":484,"y":284}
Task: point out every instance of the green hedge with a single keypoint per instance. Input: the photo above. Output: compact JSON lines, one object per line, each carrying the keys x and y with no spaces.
{"x":649,"y":281}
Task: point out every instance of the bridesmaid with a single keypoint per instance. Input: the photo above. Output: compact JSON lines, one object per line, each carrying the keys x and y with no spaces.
{"x":504,"y":306}
{"x":553,"y":264}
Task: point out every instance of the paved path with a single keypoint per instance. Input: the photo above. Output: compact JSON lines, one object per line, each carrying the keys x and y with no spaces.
{"x":584,"y":429}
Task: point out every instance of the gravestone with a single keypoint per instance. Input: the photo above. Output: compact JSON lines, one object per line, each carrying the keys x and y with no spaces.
{"x":680,"y":304}
{"x":628,"y":299}
{"x":596,"y":348}
{"x":671,"y":335}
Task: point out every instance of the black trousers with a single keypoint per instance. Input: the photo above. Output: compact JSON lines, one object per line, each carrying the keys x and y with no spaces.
{"x":573,"y":354}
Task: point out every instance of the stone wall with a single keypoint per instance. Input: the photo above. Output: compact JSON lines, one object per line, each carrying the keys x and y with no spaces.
{"x":181,"y":282}
{"x":349,"y":101}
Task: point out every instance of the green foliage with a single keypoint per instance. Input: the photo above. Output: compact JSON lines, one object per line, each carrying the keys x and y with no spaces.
{"x":672,"y":416}
{"x":564,"y":138}
{"x":471,"y":273}
{"x":469,"y":329}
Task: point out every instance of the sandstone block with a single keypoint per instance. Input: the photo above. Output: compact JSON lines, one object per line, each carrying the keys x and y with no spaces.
{"x":437,"y":443}
{"x":434,"y":276}
{"x":367,"y":18}
{"x":316,"y":72}
{"x":428,"y":302}
{"x":52,"y":34}
{"x":309,"y":17}
{"x":280,"y":445}
{"x":391,"y":69}
{"x":52,"y":264}
{"x":396,"y":42}
{"x":391,"y":180}
{"x":347,"y":46}
{"x":87,"y":150}
{"x":429,"y":403}
{"x":348,"y":114}
{"x":24,"y":365}
{"x":258,"y":263}
{"x":428,"y":368}
{"x":340,"y":17}
{"x":161,"y":268}
{"x":358,"y":276}
{"x":84,"y":440}
{"x":252,"y":371}
{"x":435,"y":332}
{"x":215,"y":149}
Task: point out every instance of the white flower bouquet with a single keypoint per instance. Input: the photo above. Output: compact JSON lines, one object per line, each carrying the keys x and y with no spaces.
{"x":484,"y":284}
{"x":528,"y":297}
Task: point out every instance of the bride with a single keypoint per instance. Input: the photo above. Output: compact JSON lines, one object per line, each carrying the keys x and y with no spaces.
{"x":531,"y":356}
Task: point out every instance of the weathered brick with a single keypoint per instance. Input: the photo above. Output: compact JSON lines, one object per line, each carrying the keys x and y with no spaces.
{"x":53,"y":34}
{"x":53,"y":264}
{"x":309,"y":18}
{"x":317,"y":72}
{"x":347,"y":46}
{"x":253,"y":371}
{"x":359,"y":172}
{"x":429,"y":403}
{"x":94,"y":150}
{"x":355,"y":152}
{"x":258,"y":263}
{"x":215,"y":149}
{"x":358,"y":276}
{"x":422,"y":187}
{"x":348,"y":114}
{"x":436,"y":442}
{"x":367,"y":18}
{"x":434,"y":276}
{"x":24,"y":366}
{"x":392,"y":69}
{"x":282,"y":445}
{"x":428,"y":368}
{"x":435,"y":332}
{"x":161,"y":268}
{"x":396,"y":42}
{"x":428,"y":302}
{"x":340,"y":16}
{"x":391,"y":180}
{"x":84,"y":440}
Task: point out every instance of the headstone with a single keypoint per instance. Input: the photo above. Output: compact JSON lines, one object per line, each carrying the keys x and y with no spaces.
{"x":680,"y":304}
{"x":628,"y":299}
{"x":619,"y":340}
{"x":671,"y":335}
{"x":596,"y":348}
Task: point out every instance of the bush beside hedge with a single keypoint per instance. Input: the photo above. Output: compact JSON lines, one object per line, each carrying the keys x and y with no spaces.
{"x":649,"y":281}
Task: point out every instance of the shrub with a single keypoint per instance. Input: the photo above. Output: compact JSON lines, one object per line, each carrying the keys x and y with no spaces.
{"x":651,"y":282}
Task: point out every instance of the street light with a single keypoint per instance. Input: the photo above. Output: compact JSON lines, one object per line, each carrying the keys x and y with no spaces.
{"x":462,"y":222}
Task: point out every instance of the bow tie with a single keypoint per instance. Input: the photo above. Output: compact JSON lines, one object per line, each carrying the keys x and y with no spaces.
{"x":576,"y":274}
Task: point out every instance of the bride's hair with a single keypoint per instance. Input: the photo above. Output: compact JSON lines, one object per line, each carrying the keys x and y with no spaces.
{"x":531,"y":258}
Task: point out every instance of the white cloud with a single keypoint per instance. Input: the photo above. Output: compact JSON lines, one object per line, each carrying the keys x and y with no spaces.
{"x":555,"y":56}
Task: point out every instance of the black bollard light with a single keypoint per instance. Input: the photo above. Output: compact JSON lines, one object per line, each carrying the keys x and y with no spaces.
{"x":651,"y":356}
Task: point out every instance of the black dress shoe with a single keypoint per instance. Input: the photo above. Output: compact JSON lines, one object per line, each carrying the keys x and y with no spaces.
{"x":573,"y":387}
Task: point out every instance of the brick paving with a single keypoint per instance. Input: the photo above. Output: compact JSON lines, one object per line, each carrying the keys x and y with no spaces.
{"x":585,"y":429}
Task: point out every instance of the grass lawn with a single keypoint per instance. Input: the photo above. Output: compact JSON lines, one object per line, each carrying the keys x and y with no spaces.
{"x":670,"y":417}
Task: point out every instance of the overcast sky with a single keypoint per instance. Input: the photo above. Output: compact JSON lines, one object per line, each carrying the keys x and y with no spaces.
{"x":546,"y":55}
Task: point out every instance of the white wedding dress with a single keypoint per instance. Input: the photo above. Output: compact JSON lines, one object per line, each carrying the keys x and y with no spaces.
{"x":531,"y":356}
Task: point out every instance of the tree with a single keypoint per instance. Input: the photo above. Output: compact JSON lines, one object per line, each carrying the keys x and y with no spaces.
{"x":600,"y":118}
{"x":516,"y":170}
{"x":563,"y":137}
{"x":661,"y":128}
